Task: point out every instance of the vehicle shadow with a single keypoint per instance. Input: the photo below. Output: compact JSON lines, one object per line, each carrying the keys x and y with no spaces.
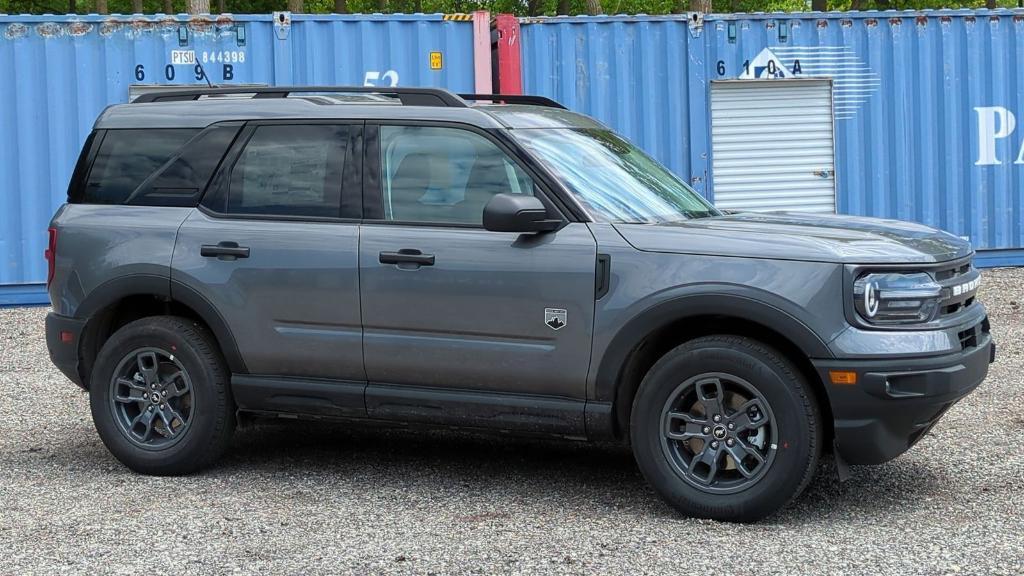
{"x":501,"y":468}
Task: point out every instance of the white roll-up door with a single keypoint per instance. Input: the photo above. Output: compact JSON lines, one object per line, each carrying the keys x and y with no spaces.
{"x":772,"y":145}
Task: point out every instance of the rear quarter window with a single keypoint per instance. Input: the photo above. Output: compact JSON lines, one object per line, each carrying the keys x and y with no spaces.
{"x":125,"y":159}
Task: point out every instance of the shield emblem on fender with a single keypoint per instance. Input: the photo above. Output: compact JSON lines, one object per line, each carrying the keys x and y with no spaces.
{"x":555,"y":318}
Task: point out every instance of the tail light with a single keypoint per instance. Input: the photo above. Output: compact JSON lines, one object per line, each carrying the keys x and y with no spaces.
{"x":51,"y":255}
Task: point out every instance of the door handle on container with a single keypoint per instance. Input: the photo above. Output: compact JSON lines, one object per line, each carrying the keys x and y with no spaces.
{"x":407,"y":256}
{"x":224,"y":251}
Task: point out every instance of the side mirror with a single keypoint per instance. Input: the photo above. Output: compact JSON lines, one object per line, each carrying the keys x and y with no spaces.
{"x":518,"y":213}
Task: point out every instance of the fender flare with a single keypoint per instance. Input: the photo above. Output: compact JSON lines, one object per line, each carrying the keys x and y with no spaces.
{"x":734,"y":302}
{"x":169,"y":290}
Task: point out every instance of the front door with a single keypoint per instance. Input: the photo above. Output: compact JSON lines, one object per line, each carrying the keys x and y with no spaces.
{"x":273,"y":254}
{"x":460,"y":319}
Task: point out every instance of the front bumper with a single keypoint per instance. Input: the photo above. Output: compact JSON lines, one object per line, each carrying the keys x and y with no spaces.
{"x":63,"y":335}
{"x":896,"y":401}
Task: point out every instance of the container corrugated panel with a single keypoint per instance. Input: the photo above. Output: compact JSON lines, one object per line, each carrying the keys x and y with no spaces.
{"x":391,"y":50}
{"x":924,"y":102}
{"x":635,"y":74}
{"x":63,"y":70}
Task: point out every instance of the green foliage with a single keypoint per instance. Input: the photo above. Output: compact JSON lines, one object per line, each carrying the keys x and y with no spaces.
{"x":519,"y":7}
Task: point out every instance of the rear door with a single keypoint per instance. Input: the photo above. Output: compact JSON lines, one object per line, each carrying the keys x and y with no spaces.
{"x":274,"y":249}
{"x":463,"y":324}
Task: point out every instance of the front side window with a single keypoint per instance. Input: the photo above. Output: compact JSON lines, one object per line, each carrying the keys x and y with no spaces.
{"x":126,"y":158}
{"x":614,"y":179}
{"x":289,"y":170}
{"x":443,"y":175}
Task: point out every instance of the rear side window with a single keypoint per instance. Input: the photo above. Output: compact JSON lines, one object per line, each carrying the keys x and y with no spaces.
{"x":289,"y":170}
{"x":182,"y":181}
{"x":126,"y":158}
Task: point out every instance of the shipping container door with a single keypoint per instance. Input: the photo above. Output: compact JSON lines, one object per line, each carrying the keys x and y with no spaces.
{"x":772,"y":145}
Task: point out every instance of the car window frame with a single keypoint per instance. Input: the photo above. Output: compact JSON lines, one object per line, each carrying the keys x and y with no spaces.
{"x":350,"y":209}
{"x":373,"y":184}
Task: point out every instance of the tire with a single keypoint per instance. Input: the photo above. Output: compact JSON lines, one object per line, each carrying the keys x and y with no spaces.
{"x":191,"y":423}
{"x":757,"y":387}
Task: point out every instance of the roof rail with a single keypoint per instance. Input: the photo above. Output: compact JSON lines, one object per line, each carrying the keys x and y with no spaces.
{"x":407,"y":96}
{"x":515,"y":99}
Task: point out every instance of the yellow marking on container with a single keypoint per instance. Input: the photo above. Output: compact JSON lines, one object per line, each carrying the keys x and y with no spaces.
{"x":436,"y":61}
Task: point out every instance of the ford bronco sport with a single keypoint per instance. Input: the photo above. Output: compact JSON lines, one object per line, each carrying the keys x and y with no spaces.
{"x":492,"y":262}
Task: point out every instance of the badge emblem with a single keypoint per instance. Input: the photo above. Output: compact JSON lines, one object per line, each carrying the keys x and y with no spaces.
{"x":555,"y":318}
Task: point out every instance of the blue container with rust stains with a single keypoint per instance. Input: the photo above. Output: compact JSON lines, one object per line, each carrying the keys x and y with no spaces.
{"x":63,"y":70}
{"x":910,"y":115}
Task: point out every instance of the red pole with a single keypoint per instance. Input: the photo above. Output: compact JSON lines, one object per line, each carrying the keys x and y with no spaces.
{"x":510,"y":66}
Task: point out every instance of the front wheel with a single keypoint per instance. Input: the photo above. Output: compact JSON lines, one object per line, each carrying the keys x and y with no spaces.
{"x":727,"y":428}
{"x":160,"y":396}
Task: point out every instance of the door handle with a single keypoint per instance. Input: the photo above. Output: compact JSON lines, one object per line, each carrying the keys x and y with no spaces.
{"x":224,"y":251}
{"x":407,"y":256}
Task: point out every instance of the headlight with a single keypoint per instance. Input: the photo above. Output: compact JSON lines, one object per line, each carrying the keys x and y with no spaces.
{"x":894,"y":298}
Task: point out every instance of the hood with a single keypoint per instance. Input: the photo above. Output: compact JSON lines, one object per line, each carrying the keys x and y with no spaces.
{"x":800,"y":236}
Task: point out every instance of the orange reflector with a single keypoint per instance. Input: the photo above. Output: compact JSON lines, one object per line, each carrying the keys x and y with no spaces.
{"x":66,"y":336}
{"x":842,"y":376}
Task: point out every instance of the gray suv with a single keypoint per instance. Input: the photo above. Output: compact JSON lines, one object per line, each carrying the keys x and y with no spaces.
{"x":488,"y":262}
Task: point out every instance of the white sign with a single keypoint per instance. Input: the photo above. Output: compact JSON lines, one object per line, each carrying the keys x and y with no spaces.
{"x":183,"y":57}
{"x":995,"y":123}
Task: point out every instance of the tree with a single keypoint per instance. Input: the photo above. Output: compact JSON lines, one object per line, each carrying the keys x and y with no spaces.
{"x":101,"y":7}
{"x":340,"y":6}
{"x":168,"y":7}
{"x":198,"y":6}
{"x":819,"y":5}
{"x":564,"y":7}
{"x":296,"y":6}
{"x":700,"y":6}
{"x":594,"y":7}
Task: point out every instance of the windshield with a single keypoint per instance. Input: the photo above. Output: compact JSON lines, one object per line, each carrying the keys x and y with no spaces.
{"x":613,"y":179}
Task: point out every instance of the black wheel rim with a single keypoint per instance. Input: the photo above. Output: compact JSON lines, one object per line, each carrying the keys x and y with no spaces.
{"x":718,"y":433}
{"x":151,"y":398}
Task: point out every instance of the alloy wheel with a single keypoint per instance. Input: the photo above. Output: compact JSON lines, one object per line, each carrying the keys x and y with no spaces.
{"x":718,"y":433}
{"x":151,"y":398}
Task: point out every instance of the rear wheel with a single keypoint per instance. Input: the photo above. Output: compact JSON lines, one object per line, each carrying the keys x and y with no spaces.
{"x":725,"y":427}
{"x":160,"y":396}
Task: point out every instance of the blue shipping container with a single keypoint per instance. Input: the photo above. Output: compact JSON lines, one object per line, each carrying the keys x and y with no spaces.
{"x":63,"y":70}
{"x":925,"y":104}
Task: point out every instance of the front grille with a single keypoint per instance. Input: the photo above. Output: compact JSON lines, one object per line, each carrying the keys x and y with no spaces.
{"x":959,"y":287}
{"x":955,"y":271}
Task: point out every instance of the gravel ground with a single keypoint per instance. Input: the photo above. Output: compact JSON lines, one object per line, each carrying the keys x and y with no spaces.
{"x":305,"y":498}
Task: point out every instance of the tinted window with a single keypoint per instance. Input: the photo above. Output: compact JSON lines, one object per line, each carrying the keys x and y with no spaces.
{"x":290,"y":171}
{"x":183,"y":180}
{"x":126,"y":158}
{"x":443,"y":175}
